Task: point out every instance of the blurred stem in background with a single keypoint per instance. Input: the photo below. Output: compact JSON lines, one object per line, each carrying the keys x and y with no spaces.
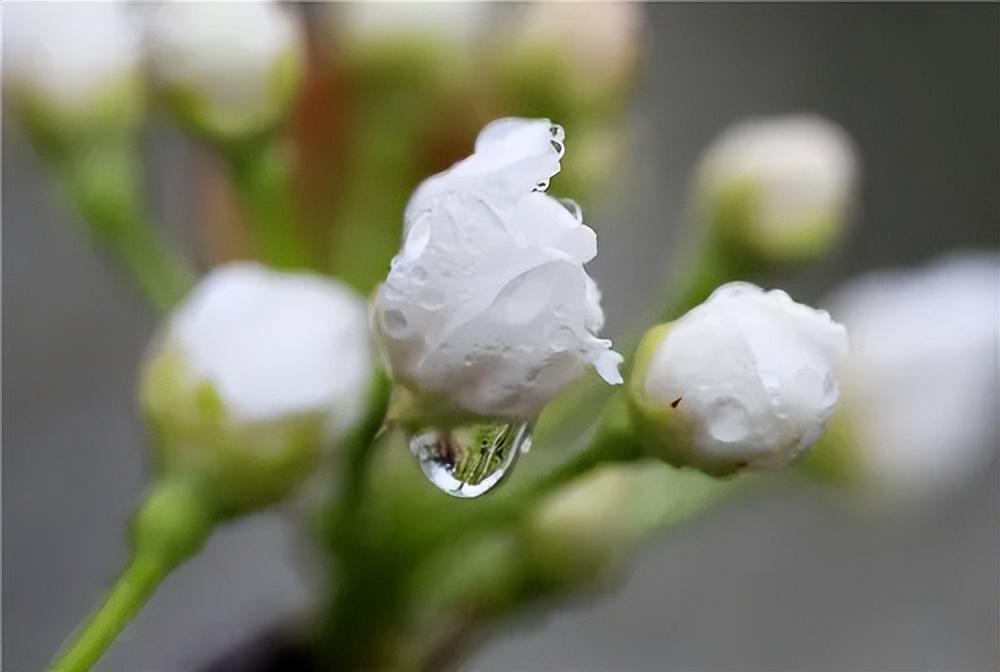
{"x":103,"y":180}
{"x":575,"y":65}
{"x":383,"y":152}
{"x":260,"y":170}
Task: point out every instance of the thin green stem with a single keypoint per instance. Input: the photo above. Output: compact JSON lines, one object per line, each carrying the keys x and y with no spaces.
{"x":261,"y":175}
{"x":170,"y":526}
{"x":103,"y":181}
{"x":356,"y":456}
{"x":130,"y":592}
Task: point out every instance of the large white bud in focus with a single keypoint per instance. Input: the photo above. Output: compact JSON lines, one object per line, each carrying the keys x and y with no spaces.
{"x":487,"y":310}
{"x":743,"y":381}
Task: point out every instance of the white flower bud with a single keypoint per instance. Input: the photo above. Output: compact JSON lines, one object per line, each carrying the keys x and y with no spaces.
{"x":487,"y":309}
{"x":459,"y":23}
{"x":921,"y":385}
{"x":254,"y":373}
{"x":585,"y":527}
{"x":594,"y":46}
{"x":780,"y":188}
{"x":745,"y":380}
{"x":73,"y":66}
{"x":229,"y":69}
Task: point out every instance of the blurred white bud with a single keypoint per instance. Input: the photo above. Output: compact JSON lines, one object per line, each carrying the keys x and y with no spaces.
{"x":921,"y":385}
{"x":780,"y":188}
{"x":460,"y":23}
{"x":584,"y":527}
{"x":487,"y":308}
{"x":745,"y":380}
{"x":254,"y":373}
{"x":229,"y":69}
{"x":73,"y":66}
{"x":594,"y":45}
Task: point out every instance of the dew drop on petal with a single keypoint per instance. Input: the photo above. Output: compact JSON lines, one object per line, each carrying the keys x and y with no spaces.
{"x":729,"y":421}
{"x":394,"y":321}
{"x":573,"y":207}
{"x":471,"y":460}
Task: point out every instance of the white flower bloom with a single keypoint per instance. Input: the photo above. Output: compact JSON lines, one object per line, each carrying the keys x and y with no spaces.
{"x":921,"y":385}
{"x":745,"y":380}
{"x":275,"y":345}
{"x":71,"y":54}
{"x":240,"y":62}
{"x":487,"y":307}
{"x":794,"y":176}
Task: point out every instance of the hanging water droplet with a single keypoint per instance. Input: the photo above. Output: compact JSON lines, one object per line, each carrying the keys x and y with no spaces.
{"x":471,"y":460}
{"x":542,"y":185}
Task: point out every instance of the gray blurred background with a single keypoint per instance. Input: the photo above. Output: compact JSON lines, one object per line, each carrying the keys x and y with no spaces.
{"x":785,"y":580}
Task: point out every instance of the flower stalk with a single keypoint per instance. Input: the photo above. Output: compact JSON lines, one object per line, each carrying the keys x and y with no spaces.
{"x":101,"y":179}
{"x":261,"y":175}
{"x":170,"y":527}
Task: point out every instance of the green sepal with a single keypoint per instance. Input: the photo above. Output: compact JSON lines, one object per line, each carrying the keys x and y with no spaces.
{"x":240,"y":466}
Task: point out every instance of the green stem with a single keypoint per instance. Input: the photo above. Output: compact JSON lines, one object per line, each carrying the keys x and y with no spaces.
{"x":356,"y":456}
{"x":170,"y":527}
{"x":103,"y":181}
{"x":385,"y":168}
{"x":261,"y":175}
{"x":130,"y":592}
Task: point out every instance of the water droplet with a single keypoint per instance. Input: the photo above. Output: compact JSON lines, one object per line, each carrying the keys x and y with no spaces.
{"x":729,"y":421}
{"x":559,"y":147}
{"x":394,"y":321}
{"x":573,"y":207}
{"x":557,"y":132}
{"x":543,"y":185}
{"x":471,"y":460}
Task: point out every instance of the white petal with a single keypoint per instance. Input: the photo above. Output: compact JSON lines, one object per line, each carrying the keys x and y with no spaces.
{"x":487,"y":305}
{"x":512,"y":157}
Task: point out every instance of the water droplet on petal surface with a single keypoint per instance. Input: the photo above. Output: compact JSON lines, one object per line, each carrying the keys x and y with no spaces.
{"x":573,"y":207}
{"x":729,"y":421}
{"x":471,"y":460}
{"x":395,"y":321}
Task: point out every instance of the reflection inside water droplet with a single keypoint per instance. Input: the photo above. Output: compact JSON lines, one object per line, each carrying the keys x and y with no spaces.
{"x":471,"y":460}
